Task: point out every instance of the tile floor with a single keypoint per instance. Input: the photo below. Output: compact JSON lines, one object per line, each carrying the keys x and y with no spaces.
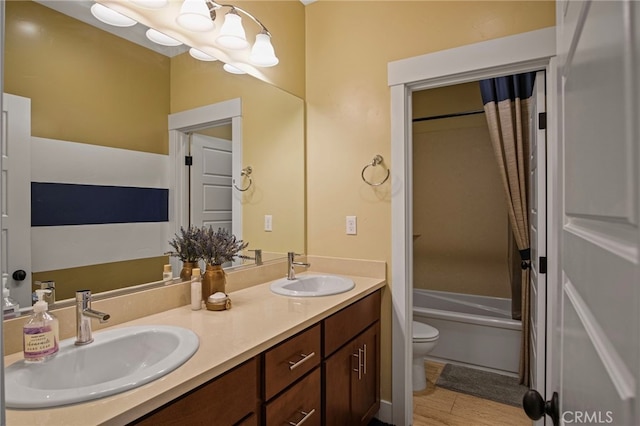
{"x":441,"y":407}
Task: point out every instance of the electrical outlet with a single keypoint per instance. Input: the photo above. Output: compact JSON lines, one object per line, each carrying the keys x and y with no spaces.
{"x":268,"y":223}
{"x":352,"y":228}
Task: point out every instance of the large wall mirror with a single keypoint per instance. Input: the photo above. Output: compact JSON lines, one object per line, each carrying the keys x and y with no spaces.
{"x":101,"y":182}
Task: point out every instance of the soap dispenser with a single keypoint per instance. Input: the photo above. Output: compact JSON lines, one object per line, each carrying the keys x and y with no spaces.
{"x":40,"y":333}
{"x":10,"y":308}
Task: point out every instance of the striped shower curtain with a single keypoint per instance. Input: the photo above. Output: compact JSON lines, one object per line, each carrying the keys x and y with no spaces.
{"x":507,"y":105}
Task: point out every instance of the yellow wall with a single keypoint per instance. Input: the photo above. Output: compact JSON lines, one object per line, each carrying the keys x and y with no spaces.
{"x":85,"y":85}
{"x":459,"y":209}
{"x":348,"y":46}
{"x":272,"y":144}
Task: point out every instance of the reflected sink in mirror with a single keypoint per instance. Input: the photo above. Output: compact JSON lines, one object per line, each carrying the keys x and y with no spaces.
{"x":311,"y":285}
{"x":116,"y":361}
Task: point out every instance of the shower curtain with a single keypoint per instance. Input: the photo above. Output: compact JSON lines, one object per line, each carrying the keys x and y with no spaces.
{"x":507,"y":105}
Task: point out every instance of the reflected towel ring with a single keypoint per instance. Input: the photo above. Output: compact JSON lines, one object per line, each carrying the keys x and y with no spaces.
{"x":376,"y":160}
{"x":245,"y":172}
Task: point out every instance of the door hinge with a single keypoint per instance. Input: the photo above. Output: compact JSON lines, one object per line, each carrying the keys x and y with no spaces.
{"x":542,"y":120}
{"x":188,"y":160}
{"x":543,"y":265}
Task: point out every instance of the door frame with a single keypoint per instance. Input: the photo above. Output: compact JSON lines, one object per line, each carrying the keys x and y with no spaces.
{"x":530,"y":51}
{"x":180,"y":123}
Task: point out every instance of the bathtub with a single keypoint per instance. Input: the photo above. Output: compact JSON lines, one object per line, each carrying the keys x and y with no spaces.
{"x":474,"y":330}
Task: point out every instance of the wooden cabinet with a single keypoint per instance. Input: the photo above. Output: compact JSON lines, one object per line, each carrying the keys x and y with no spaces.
{"x":290,"y":360}
{"x":328,"y":374}
{"x":300,"y":404}
{"x":352,"y":373}
{"x":227,"y":400}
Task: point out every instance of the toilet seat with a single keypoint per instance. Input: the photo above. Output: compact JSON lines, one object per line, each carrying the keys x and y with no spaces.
{"x":424,"y":333}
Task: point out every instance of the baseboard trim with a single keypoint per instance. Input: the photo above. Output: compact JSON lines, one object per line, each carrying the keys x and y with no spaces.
{"x":385,"y":412}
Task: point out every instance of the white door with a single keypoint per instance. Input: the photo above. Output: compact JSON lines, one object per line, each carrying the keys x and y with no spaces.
{"x":599,"y":274}
{"x":538,"y":240}
{"x":16,"y":199}
{"x":211,"y":180}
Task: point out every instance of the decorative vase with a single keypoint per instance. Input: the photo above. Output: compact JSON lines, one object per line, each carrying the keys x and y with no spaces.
{"x":214,"y":280}
{"x":187,"y":267}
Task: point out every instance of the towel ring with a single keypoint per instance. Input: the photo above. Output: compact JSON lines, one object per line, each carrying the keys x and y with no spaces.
{"x":245,"y":172}
{"x":376,"y":160}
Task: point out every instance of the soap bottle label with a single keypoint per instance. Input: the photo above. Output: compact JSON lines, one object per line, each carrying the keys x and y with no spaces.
{"x":40,"y":343}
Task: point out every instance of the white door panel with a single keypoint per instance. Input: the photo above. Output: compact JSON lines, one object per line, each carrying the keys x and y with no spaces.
{"x":211,"y":180}
{"x":16,"y":195}
{"x":599,"y":240}
{"x":537,"y":236}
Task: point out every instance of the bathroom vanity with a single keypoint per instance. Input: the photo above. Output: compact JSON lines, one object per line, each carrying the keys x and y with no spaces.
{"x":285,"y":385}
{"x":268,"y":360}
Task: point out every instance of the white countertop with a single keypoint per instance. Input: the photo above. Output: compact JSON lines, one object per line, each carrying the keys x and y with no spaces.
{"x":257,"y":320}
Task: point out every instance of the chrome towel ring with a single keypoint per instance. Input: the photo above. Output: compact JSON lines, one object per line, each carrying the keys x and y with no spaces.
{"x":376,"y":160}
{"x":245,"y":172}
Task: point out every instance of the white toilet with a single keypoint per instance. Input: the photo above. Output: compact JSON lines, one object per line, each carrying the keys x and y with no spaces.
{"x":425,"y":338}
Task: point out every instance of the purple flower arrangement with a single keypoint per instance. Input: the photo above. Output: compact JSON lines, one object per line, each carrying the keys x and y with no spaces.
{"x":215,"y":247}
{"x":185,"y":245}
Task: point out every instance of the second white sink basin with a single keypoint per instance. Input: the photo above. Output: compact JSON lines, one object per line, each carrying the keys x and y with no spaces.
{"x":309,"y":285}
{"x":116,"y":361}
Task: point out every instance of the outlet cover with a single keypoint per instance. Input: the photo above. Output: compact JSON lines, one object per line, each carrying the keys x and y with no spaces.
{"x":352,"y":228}
{"x":268,"y":223}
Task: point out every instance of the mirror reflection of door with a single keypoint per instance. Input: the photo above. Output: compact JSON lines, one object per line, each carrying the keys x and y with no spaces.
{"x":212,"y":201}
{"x":211,"y":180}
{"x":16,"y":202}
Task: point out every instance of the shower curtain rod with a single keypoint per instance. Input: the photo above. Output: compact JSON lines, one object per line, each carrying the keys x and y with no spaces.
{"x":456,"y":114}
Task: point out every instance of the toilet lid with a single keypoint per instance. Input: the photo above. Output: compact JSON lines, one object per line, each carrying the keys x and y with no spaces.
{"x":422,"y":331}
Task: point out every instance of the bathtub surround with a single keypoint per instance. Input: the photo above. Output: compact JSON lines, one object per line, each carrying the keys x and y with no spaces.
{"x":476,"y":331}
{"x":458,"y":203}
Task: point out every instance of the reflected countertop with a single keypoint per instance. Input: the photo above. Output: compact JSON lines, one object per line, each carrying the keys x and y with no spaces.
{"x":257,"y":320}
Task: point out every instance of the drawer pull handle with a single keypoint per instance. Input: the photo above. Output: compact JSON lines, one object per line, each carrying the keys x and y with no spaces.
{"x":359,"y":369}
{"x":305,"y":357}
{"x":305,"y":418}
{"x":364,"y":364}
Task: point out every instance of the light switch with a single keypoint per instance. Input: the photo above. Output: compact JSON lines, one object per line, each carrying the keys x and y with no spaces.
{"x":268,"y":223}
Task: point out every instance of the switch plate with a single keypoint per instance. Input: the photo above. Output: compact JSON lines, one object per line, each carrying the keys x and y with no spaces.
{"x":268,"y":223}
{"x":352,"y":228}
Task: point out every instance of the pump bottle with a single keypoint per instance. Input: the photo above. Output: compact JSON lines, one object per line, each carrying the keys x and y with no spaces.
{"x":40,"y":333}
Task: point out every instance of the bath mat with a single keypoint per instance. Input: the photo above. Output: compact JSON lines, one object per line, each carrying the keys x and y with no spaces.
{"x":483,"y":384}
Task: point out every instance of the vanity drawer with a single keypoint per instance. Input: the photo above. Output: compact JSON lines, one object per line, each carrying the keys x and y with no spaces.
{"x":344,"y":325}
{"x":229,"y":399}
{"x":301,"y":401}
{"x":290,"y":360}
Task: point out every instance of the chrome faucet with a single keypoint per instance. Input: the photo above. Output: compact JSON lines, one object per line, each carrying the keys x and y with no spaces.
{"x":258,"y":257}
{"x":84,"y":313}
{"x":291,"y":273}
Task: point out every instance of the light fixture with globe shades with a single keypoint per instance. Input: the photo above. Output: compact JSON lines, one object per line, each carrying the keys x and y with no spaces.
{"x":110,"y":16}
{"x":197,"y":23}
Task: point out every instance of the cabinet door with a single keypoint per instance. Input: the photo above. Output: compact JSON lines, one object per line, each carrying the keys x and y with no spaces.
{"x":352,"y":375}
{"x":339,"y":370}
{"x":366,"y":383}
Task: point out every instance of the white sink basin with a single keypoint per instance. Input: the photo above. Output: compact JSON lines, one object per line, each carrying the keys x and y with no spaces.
{"x":116,"y":361}
{"x":309,"y":285}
